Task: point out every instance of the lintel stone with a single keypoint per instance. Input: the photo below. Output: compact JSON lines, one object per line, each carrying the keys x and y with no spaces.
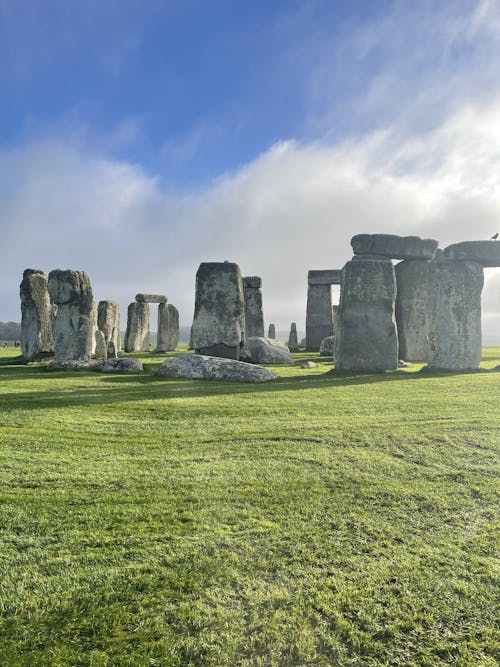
{"x":324,"y":277}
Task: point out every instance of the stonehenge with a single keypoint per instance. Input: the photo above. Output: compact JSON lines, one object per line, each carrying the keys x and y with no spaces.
{"x":137,"y":332}
{"x":108,"y":322}
{"x":37,"y":316}
{"x":219,"y":313}
{"x":71,"y":292}
{"x":138,"y":316}
{"x":168,"y":327}
{"x":254,"y":316}
{"x":319,"y":312}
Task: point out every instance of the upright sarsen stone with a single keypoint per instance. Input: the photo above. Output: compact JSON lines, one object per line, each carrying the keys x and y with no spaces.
{"x":219,"y":318}
{"x":108,"y":321}
{"x":367,"y":337}
{"x":168,"y":328}
{"x":319,"y":313}
{"x":254,"y":316}
{"x":271,"y":331}
{"x":455,"y":336}
{"x":414,"y":309}
{"x":73,"y":328}
{"x":293,"y":341}
{"x":37,"y":316}
{"x":137,"y":332}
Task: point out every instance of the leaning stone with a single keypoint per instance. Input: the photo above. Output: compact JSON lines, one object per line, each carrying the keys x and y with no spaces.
{"x":108,"y":321}
{"x":121,"y":365}
{"x":37,"y":316}
{"x":200,"y":367}
{"x":101,"y":350}
{"x":367,"y":337}
{"x":73,"y":327}
{"x":268,"y":351}
{"x":293,"y":343}
{"x":219,"y":314}
{"x":455,"y":338}
{"x":486,"y":253}
{"x":254,"y":315}
{"x":271,"y":332}
{"x":327,"y":347}
{"x":394,"y":247}
{"x":137,"y":332}
{"x":168,"y":328}
{"x":151,"y":298}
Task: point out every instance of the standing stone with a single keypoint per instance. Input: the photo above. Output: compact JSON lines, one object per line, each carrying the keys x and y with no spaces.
{"x":271,"y":331}
{"x":455,"y":338}
{"x":319,"y":315}
{"x":293,"y":341}
{"x":101,"y":350}
{"x":367,"y":337}
{"x":72,"y":293}
{"x":137,"y":332}
{"x":108,"y":321}
{"x":37,"y":316}
{"x":414,"y":309}
{"x":254,"y":316}
{"x":219,"y":313}
{"x":94,"y":327}
{"x":168,"y":328}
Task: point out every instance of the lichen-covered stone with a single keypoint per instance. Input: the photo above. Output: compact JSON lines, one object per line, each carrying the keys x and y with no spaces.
{"x":37,"y":316}
{"x":74,"y":325}
{"x":120,"y":365}
{"x":137,"y":332}
{"x":219,"y":316}
{"x":101,"y":349}
{"x":168,"y":328}
{"x":486,"y":253}
{"x":201,"y":367}
{"x":366,"y":337}
{"x":254,"y":315}
{"x":414,"y":309}
{"x":268,"y":351}
{"x":327,"y":347}
{"x":394,"y":247}
{"x":108,"y":321}
{"x":151,"y":298}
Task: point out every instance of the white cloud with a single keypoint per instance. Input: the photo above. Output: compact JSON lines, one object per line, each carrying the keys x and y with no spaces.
{"x":294,"y":208}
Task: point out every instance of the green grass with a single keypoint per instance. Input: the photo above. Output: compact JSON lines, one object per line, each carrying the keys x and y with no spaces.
{"x":320,"y":520}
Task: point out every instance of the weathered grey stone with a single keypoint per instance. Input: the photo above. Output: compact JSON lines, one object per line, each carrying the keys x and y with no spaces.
{"x":395,"y":247}
{"x":71,"y":365}
{"x":268,"y":351}
{"x":37,"y":316}
{"x":137,"y":332}
{"x":486,"y":253}
{"x":151,"y":298}
{"x":414,"y":309}
{"x":293,"y":342}
{"x":455,"y":338}
{"x":366,"y":337}
{"x":108,"y":321}
{"x":319,"y":315}
{"x":327,"y":347}
{"x":200,"y":367}
{"x":219,"y":314}
{"x":73,"y":327}
{"x":324,"y":277}
{"x":101,"y":349}
{"x":254,"y":316}
{"x":168,"y":328}
{"x":122,"y":365}
{"x":271,"y":332}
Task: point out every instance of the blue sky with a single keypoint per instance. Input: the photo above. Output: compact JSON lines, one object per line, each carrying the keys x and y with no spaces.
{"x":139,"y":138}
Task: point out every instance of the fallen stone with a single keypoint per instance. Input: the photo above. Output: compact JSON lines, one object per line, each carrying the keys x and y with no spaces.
{"x":200,"y":367}
{"x":486,"y":253}
{"x":327,"y":347}
{"x":120,"y":365}
{"x":268,"y":351}
{"x":151,"y":298}
{"x":309,"y":364}
{"x":70,"y":365}
{"x":394,"y":247}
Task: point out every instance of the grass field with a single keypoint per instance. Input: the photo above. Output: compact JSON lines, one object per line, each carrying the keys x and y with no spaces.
{"x":320,"y":520}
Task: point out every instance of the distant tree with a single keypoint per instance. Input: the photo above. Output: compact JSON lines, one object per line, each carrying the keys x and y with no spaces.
{"x":10,"y":331}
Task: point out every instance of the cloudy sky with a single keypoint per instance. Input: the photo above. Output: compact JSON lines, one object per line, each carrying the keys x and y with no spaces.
{"x":138,"y":139}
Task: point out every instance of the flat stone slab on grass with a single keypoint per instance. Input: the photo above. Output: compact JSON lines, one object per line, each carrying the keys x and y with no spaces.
{"x":264,"y":350}
{"x":394,"y":247}
{"x":486,"y":253}
{"x":121,"y":365}
{"x":200,"y":367}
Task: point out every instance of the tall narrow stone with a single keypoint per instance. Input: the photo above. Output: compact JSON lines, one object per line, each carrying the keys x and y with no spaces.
{"x":137,"y":332}
{"x":455,"y":336}
{"x":254,"y":316}
{"x":367,"y":337}
{"x":73,"y":328}
{"x":319,"y":315}
{"x":293,"y":342}
{"x":168,"y":328}
{"x":414,"y":309}
{"x":219,"y":314}
{"x":37,"y":316}
{"x":271,"y":333}
{"x":108,"y":321}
